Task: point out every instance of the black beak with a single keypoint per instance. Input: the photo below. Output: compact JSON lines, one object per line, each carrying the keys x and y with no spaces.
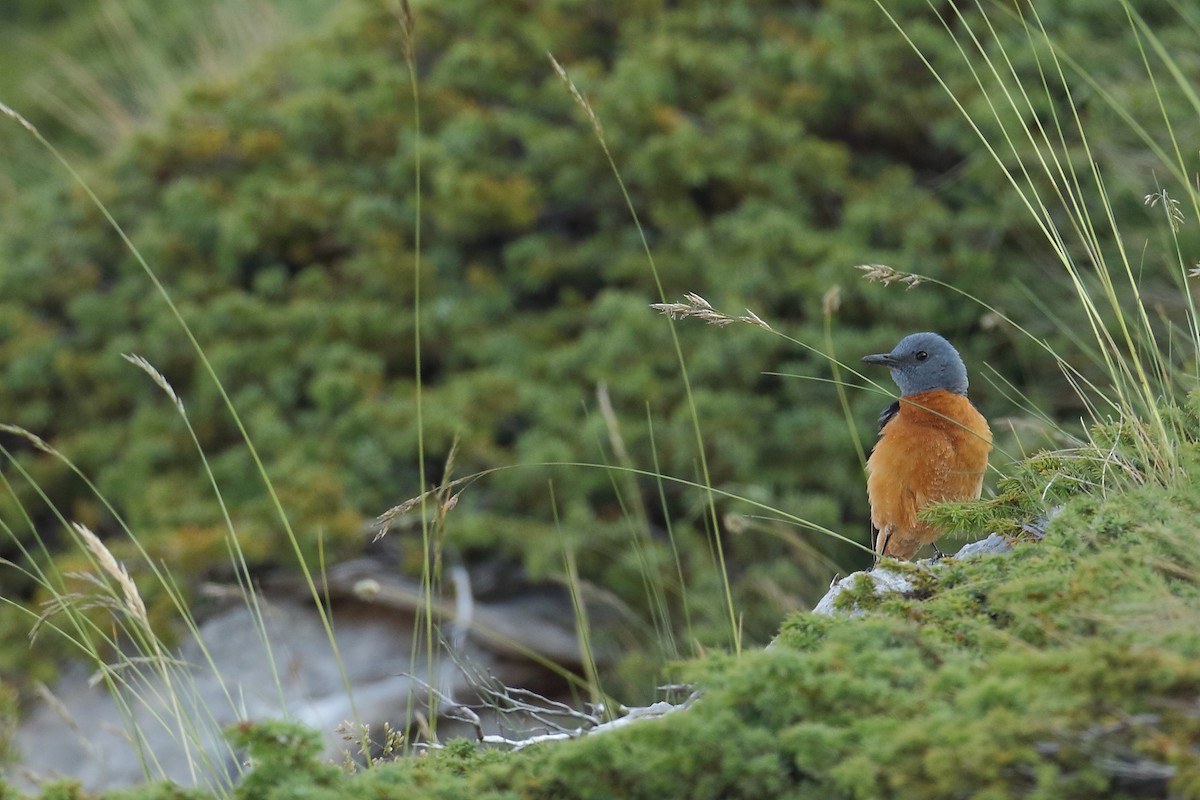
{"x":883,"y":360}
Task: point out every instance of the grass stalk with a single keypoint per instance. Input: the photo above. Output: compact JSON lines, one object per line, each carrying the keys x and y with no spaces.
{"x":1139,"y":374}
{"x":164,"y":294}
{"x":583,"y":631}
{"x":713,"y":521}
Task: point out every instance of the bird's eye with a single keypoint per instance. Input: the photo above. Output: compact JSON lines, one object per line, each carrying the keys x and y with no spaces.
{"x":922,"y":355}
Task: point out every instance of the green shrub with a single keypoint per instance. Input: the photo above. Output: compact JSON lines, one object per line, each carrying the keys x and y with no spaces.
{"x":768,"y":148}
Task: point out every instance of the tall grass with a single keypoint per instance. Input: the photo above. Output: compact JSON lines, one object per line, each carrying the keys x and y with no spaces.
{"x":1033,"y":128}
{"x":90,"y":639}
{"x":141,"y":56}
{"x":150,"y":679}
{"x":714,"y":526}
{"x":429,"y":574}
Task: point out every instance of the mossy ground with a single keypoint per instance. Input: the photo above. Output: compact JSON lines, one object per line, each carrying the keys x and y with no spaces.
{"x":1026,"y":675}
{"x":1015,"y":676}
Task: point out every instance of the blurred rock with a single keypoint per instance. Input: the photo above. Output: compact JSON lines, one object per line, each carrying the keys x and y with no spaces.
{"x":82,"y":733}
{"x":993,"y":545}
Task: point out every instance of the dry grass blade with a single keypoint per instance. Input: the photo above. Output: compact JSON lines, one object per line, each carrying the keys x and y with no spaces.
{"x":56,"y":705}
{"x":446,"y":502}
{"x":1170,"y":207}
{"x":156,"y":661}
{"x":609,"y":414}
{"x":447,"y":499}
{"x":385,"y":520}
{"x":697,"y":307}
{"x":32,"y":438}
{"x":8,"y":111}
{"x":831,"y":301}
{"x":881,"y":273}
{"x":754,"y":319}
{"x":403,"y":13}
{"x":580,"y":99}
{"x":61,"y":602}
{"x":156,"y":376}
{"x":109,"y":564}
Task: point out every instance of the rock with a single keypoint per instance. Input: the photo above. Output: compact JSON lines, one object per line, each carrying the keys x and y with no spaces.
{"x":994,"y":544}
{"x":80,"y":732}
{"x":887,"y":580}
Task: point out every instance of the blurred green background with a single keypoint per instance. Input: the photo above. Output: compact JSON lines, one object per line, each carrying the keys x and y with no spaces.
{"x":262,"y":156}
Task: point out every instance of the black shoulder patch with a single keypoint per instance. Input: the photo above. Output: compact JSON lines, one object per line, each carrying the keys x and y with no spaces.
{"x":887,"y":415}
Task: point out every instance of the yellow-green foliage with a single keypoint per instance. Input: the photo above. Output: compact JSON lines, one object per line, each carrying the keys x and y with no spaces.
{"x":284,"y":761}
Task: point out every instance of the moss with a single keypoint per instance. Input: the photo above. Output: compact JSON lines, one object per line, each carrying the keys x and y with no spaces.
{"x":285,"y":761}
{"x":861,"y":594}
{"x":63,"y":790}
{"x":1021,"y":675}
{"x":803,"y":631}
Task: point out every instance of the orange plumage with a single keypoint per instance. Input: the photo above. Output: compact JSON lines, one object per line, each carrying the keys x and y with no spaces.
{"x":934,"y":448}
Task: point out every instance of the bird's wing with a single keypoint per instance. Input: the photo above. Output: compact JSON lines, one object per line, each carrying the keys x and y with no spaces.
{"x":884,"y":419}
{"x":887,"y":415}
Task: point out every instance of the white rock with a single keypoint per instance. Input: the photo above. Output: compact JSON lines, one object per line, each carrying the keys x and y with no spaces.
{"x":887,"y":580}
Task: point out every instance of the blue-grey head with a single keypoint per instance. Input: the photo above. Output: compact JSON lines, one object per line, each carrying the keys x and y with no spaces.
{"x":924,"y":361}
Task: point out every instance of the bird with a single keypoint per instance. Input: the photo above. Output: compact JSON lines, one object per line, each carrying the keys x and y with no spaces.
{"x":933,"y":445}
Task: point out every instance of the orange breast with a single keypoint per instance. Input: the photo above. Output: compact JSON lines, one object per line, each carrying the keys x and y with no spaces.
{"x":934,"y":449}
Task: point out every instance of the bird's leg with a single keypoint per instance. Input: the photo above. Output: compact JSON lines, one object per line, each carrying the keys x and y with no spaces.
{"x":882,"y":539}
